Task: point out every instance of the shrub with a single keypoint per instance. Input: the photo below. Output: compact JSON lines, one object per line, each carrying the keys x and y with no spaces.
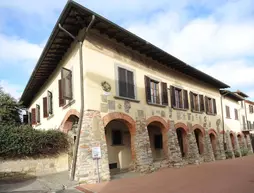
{"x":24,"y":141}
{"x":229,"y":154}
{"x":237,"y":154}
{"x":244,"y":151}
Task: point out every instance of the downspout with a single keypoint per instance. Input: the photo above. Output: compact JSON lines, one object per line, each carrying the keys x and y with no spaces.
{"x":80,"y":41}
{"x":223,"y":122}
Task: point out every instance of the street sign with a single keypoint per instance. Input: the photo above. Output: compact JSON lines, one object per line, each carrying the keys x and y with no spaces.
{"x":96,"y":152}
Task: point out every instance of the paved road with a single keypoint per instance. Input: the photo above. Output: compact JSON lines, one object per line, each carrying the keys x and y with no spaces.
{"x":228,"y":176}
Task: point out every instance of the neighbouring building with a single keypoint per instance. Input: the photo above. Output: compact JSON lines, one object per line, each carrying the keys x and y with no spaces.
{"x":144,"y":108}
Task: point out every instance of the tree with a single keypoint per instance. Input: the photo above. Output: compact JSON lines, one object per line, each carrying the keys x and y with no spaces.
{"x":10,"y":109}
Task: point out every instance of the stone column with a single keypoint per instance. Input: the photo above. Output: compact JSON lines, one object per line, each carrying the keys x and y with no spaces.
{"x":208,"y":150}
{"x":193,"y":155}
{"x":229,"y":151}
{"x":220,"y":152}
{"x":237,"y":149}
{"x":249,"y":145}
{"x":175,"y":156}
{"x":144,"y":158}
{"x":92,"y":134}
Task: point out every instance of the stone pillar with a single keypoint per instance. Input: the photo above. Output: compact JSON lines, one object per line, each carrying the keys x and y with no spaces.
{"x":237,"y":149}
{"x":249,"y":145}
{"x":175,"y":156}
{"x":92,"y":134}
{"x":193,"y":155}
{"x":208,"y":150}
{"x":220,"y":152}
{"x":144,"y":158}
{"x":229,"y":150}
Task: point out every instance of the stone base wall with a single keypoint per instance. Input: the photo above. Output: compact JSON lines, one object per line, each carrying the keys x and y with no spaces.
{"x":208,"y":150}
{"x":249,"y":145}
{"x":33,"y":167}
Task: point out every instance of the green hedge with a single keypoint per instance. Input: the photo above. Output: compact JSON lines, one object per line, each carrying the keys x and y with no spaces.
{"x":24,"y":141}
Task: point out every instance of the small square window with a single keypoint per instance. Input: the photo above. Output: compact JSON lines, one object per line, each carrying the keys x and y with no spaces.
{"x":117,"y":138}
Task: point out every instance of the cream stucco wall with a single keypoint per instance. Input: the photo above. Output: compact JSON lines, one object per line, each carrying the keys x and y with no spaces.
{"x":103,"y":55}
{"x":231,"y":124}
{"x":69,"y":61}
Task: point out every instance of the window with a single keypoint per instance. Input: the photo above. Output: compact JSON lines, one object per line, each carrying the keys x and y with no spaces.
{"x":210,"y":106}
{"x":33,"y":116}
{"x":38,"y":118}
{"x":227,"y":112}
{"x":47,"y":105}
{"x":126,"y":86}
{"x":158,"y":141}
{"x":242,"y":104}
{"x":117,"y":138}
{"x":66,"y":83}
{"x":179,"y":98}
{"x":236,"y":114}
{"x":50,"y":102}
{"x":251,"y":108}
{"x":197,"y":102}
{"x":156,"y":92}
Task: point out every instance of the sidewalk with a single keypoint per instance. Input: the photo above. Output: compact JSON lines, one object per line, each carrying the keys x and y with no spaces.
{"x":45,"y":184}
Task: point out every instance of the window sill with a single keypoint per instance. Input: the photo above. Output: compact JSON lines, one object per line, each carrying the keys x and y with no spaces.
{"x":37,"y":124}
{"x":158,"y":105}
{"x":228,"y":118}
{"x":50,"y":116}
{"x":71,"y":102}
{"x":126,"y":98}
{"x":180,"y":109}
{"x":211,"y":114}
{"x":194,"y":111}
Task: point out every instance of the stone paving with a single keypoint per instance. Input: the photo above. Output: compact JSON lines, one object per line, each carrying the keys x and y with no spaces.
{"x":224,"y":176}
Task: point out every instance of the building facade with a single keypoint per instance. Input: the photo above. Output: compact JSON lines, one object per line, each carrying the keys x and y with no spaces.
{"x":142,"y":107}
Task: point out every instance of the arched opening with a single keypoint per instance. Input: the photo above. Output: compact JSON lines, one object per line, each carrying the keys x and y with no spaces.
{"x":182,"y":140}
{"x":240,"y":141}
{"x":199,"y":140}
{"x":71,"y":126}
{"x":119,"y":145}
{"x":213,"y":140}
{"x":158,"y":140}
{"x":232,"y":140}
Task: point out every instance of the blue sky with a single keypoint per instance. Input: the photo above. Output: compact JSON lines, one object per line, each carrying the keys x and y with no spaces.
{"x":216,"y":36}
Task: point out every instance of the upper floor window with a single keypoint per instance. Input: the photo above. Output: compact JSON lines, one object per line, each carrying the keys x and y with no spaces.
{"x":251,"y":108}
{"x":179,"y":98}
{"x":236,"y":114}
{"x":65,"y":86}
{"x":227,"y":112}
{"x":126,"y":86}
{"x":47,"y":105}
{"x":38,"y":116}
{"x":210,"y":105}
{"x":197,"y":102}
{"x":156,"y":92}
{"x":242,"y":104}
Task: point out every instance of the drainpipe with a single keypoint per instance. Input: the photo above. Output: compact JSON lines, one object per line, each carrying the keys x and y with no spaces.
{"x":80,"y":41}
{"x":223,"y":122}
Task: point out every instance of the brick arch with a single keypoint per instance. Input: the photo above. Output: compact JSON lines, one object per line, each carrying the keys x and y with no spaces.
{"x":164,"y":129}
{"x":158,"y":119}
{"x":231,"y":133}
{"x":200,"y":138}
{"x":182,"y":125}
{"x":241,"y":137}
{"x":130,"y":123}
{"x":120,"y":116}
{"x":197,"y":126}
{"x":212,"y":131}
{"x":65,"y":124}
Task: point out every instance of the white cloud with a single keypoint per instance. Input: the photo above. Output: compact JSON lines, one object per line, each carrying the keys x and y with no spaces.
{"x":215,"y":43}
{"x":13,"y":89}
